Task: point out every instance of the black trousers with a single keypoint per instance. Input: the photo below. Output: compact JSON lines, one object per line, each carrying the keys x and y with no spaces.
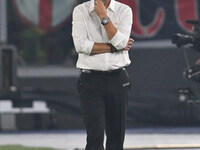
{"x":104,"y":98}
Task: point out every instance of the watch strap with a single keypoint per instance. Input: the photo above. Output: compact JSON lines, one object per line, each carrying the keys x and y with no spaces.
{"x":112,"y":48}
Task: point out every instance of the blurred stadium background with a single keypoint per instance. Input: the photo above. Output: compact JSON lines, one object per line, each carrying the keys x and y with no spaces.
{"x":38,"y":75}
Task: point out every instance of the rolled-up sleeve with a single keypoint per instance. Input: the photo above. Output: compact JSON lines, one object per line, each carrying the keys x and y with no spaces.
{"x":120,"y":39}
{"x":79,"y":33}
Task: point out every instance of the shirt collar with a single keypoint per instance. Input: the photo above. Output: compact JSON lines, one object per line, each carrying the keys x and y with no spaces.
{"x":111,"y":6}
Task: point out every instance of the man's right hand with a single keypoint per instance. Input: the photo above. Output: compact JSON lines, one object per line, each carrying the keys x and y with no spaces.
{"x":100,"y":9}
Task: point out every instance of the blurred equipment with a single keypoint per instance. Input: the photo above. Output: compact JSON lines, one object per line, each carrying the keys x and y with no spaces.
{"x":194,"y":39}
{"x":3,"y":21}
{"x":8,"y":114}
{"x":7,"y":57}
{"x":8,"y":66}
{"x":185,"y":95}
{"x":192,"y":73}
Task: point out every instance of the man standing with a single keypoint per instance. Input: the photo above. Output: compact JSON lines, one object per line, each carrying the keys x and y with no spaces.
{"x":101,"y":30}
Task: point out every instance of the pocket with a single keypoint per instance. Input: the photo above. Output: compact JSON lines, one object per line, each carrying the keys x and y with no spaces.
{"x":79,"y":85}
{"x":126,"y":82}
{"x":82,"y":83}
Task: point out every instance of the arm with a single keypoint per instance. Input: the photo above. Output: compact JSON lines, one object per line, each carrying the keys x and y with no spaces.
{"x":101,"y":12}
{"x":119,"y":37}
{"x":79,"y":33}
{"x":81,"y":42}
{"x":100,"y":48}
{"x":113,"y":34}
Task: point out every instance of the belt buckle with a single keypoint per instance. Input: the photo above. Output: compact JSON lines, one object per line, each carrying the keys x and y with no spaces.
{"x":85,"y":71}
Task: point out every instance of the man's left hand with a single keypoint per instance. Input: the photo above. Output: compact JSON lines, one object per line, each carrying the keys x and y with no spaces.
{"x":129,"y":44}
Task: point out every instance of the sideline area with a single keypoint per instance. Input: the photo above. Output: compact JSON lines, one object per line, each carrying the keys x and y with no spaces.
{"x":136,"y":138}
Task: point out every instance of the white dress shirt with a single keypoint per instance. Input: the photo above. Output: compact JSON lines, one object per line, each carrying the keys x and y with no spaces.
{"x":87,"y":29}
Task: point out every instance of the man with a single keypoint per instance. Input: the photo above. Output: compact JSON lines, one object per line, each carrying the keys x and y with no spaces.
{"x":101,"y":30}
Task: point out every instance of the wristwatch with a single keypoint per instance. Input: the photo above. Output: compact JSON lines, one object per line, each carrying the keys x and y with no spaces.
{"x":112,"y":48}
{"x":105,"y":21}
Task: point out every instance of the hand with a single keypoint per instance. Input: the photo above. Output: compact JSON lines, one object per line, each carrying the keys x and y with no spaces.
{"x":129,"y":44}
{"x":198,"y":62}
{"x":100,"y":9}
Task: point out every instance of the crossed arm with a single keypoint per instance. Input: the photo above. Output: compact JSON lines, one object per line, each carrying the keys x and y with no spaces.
{"x":99,"y":48}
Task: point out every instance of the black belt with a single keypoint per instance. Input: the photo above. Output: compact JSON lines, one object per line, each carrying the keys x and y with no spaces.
{"x":102,"y":72}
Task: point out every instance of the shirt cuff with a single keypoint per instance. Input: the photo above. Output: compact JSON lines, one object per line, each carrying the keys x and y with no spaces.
{"x":88,"y":47}
{"x":117,"y":41}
